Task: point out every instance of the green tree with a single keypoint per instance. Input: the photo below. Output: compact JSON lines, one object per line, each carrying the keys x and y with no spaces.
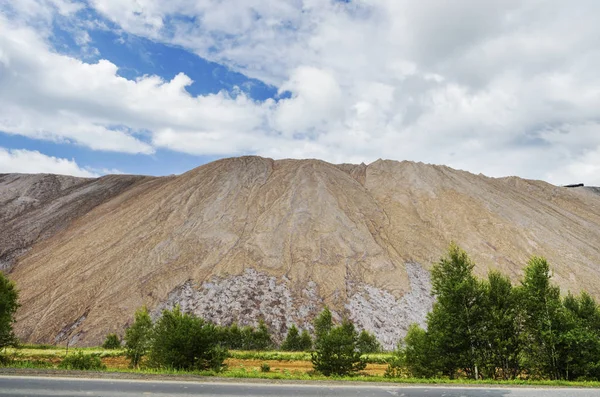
{"x":368,"y":343}
{"x":247,"y":337}
{"x":306,"y":342}
{"x":579,"y":346}
{"x":543,"y":314}
{"x":417,"y":353}
{"x":455,"y":322}
{"x":186,"y":342}
{"x":112,"y":341}
{"x":262,"y":338}
{"x":9,"y":297}
{"x":337,"y":351}
{"x":292,"y":340}
{"x":502,"y":336}
{"x":323,"y":323}
{"x":234,"y":339}
{"x":138,"y":337}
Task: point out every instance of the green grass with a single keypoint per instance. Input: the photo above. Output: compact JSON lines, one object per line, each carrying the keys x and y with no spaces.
{"x":47,"y":351}
{"x":377,"y":358}
{"x":297,"y":375}
{"x":36,"y":356}
{"x":58,"y":351}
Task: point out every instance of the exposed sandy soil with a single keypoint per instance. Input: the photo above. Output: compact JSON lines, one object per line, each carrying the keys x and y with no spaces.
{"x":291,"y":366}
{"x":244,"y":238}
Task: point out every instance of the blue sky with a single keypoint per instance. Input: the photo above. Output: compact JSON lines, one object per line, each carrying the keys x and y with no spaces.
{"x":89,"y":87}
{"x":137,"y":56}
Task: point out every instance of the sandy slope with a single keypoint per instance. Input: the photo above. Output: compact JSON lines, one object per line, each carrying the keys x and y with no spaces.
{"x":247,"y":237}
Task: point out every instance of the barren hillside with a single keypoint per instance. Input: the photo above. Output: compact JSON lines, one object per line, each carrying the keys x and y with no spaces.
{"x":244,"y":238}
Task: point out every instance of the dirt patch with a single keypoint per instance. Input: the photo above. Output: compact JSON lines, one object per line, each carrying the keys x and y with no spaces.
{"x":292,"y":366}
{"x":116,"y":362}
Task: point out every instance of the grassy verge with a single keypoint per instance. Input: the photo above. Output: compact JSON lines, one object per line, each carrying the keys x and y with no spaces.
{"x":378,"y":358}
{"x":48,"y":357}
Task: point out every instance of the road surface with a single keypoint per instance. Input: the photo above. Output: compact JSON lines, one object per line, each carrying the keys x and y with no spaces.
{"x":46,"y":386}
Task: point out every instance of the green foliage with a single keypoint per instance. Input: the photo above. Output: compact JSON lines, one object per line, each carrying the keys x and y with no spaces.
{"x":9,"y":297}
{"x":245,"y":338}
{"x":368,"y":343}
{"x":456,"y":319}
{"x":543,"y":315}
{"x":261,"y":339}
{"x":265,"y":367}
{"x":501,"y":335}
{"x":419,"y":353}
{"x":396,"y":365}
{"x":112,"y":341}
{"x":323,"y":323}
{"x":579,"y":346}
{"x":490,"y":329}
{"x":138,"y":337}
{"x":306,"y":342}
{"x":185,"y":342}
{"x":84,"y":362}
{"x":296,"y":342}
{"x":292,"y":340}
{"x":337,"y":351}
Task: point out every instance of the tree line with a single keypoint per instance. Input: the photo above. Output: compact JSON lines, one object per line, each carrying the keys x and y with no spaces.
{"x":478,"y":329}
{"x":184,"y":341}
{"x":491,"y":329}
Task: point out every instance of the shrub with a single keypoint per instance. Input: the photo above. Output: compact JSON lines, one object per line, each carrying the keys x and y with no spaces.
{"x":137,"y":337}
{"x":80,"y":361}
{"x":265,"y":367}
{"x":337,"y":352}
{"x":186,"y":342}
{"x":111,"y":342}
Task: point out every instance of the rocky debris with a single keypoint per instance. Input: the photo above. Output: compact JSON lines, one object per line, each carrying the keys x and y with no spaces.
{"x":253,"y":237}
{"x":245,"y":299}
{"x":379,"y":312}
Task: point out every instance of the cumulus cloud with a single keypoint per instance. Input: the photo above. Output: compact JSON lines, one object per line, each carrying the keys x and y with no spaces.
{"x":500,"y":87}
{"x":32,"y":162}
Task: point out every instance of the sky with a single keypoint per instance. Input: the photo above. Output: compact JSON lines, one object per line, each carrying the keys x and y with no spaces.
{"x":498,"y":87}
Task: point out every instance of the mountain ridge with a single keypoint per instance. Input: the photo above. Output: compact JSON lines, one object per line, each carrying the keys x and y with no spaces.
{"x":278,"y":239}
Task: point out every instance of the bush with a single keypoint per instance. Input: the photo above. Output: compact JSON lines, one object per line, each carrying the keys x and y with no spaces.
{"x":265,"y":367}
{"x":111,"y":342}
{"x":396,"y":365}
{"x":186,"y":342}
{"x":84,"y":362}
{"x":337,"y":352}
{"x":137,"y":337}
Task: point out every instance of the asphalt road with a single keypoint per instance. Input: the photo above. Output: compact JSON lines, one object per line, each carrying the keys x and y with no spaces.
{"x":44,"y":386}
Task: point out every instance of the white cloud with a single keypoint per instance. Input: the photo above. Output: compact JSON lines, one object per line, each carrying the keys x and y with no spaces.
{"x":51,"y":96}
{"x":500,"y":86}
{"x":31,"y":162}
